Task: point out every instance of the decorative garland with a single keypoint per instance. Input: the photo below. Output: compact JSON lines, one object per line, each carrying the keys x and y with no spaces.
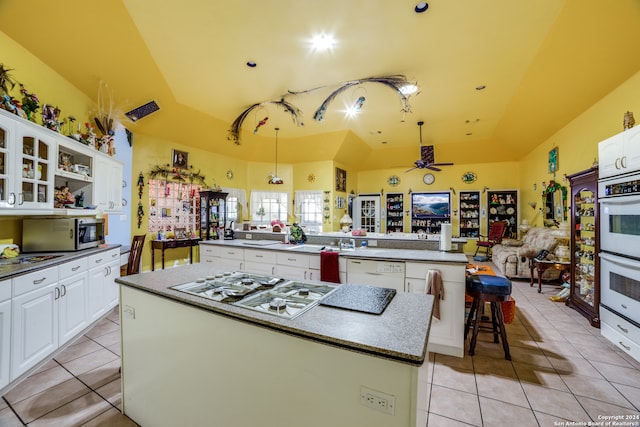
{"x":177,"y":174}
{"x":552,"y":188}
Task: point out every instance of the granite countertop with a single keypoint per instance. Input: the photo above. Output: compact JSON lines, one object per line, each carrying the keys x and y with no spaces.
{"x":361,"y":253}
{"x":400,"y":333}
{"x":11,"y":267}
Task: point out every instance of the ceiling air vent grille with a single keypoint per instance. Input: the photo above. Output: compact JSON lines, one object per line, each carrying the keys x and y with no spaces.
{"x":142,"y":111}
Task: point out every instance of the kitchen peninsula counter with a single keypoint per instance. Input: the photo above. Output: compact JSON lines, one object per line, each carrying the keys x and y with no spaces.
{"x":190,"y":361}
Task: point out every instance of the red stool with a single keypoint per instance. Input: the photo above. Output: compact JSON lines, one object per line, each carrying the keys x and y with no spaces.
{"x":492,"y":289}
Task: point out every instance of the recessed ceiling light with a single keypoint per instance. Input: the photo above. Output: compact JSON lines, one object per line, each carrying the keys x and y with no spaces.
{"x":251,"y":64}
{"x":408,"y":89}
{"x":323,"y":42}
{"x":421,"y":7}
{"x":481,"y":87}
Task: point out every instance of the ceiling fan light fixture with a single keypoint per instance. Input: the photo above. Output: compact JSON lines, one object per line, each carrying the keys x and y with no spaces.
{"x":421,"y":7}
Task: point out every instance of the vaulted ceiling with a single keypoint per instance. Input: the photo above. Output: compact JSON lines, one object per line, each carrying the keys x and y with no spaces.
{"x":542,"y":63}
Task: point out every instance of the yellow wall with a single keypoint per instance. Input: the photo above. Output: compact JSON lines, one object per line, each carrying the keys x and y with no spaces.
{"x":577,"y":143}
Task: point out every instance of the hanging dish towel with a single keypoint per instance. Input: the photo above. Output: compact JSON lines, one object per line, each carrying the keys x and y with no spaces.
{"x":329,"y":269}
{"x":435,"y":288}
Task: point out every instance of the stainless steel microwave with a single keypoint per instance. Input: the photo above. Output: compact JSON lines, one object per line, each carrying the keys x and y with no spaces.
{"x":61,"y":234}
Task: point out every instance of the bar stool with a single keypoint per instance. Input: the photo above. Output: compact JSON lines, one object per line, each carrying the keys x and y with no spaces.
{"x":492,"y":289}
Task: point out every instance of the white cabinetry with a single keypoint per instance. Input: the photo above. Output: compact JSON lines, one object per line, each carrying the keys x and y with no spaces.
{"x":260,"y":261}
{"x":103,"y":269}
{"x":75,"y":169}
{"x":5,"y":332}
{"x":26,"y":175}
{"x":108,"y":184}
{"x":446,"y":336}
{"x":620,"y":153}
{"x":385,"y":274}
{"x":293,"y":265}
{"x":35,"y":319}
{"x":74,"y":298}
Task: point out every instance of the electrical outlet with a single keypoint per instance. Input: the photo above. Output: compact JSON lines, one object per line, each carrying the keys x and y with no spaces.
{"x":378,"y":400}
{"x":248,"y":236}
{"x":373,"y":243}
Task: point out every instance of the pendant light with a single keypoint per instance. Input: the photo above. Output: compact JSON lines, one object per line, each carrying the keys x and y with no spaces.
{"x":274,"y":178}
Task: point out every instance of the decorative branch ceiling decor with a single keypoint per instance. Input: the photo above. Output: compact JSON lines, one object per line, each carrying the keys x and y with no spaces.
{"x":396,"y":82}
{"x":236,"y":126}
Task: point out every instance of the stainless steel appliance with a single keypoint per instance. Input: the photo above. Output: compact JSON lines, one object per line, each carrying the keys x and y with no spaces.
{"x":61,"y":234}
{"x":619,"y":199}
{"x":267,"y":294}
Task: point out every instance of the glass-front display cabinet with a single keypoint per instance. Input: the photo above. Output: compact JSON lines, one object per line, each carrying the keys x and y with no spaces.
{"x":470,"y":214}
{"x":213,"y":214}
{"x":395,"y":212}
{"x":584,"y":293}
{"x":503,"y":206}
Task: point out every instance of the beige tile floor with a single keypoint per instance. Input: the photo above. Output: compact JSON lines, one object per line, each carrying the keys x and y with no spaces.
{"x":561,"y":370}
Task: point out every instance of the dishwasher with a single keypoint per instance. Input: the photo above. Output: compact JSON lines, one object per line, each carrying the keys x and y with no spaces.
{"x":384,"y":274}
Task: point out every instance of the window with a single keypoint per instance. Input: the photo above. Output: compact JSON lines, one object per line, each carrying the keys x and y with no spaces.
{"x":309,"y":208}
{"x":236,"y":203}
{"x":267,"y":206}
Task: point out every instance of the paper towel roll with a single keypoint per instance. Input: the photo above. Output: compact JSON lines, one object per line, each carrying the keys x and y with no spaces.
{"x":445,"y":237}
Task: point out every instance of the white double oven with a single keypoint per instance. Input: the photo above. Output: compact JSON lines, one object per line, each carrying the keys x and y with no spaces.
{"x":619,"y":199}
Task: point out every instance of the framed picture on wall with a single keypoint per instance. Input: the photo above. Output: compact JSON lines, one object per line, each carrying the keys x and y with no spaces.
{"x":553,"y":160}
{"x":180,"y":159}
{"x":341,"y":179}
{"x":181,"y":233}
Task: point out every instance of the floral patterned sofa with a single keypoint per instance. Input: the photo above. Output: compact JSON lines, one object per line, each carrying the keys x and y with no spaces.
{"x":512,"y":256}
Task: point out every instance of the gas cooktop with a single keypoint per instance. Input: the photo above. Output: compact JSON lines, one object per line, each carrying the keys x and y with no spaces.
{"x":267,"y":294}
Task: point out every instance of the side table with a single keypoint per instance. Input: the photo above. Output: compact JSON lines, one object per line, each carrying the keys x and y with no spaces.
{"x":171,"y":244}
{"x":541,"y":266}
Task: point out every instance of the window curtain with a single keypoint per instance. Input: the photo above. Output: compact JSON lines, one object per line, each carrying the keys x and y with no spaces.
{"x":236,"y":204}
{"x":267,"y":206}
{"x":309,"y":209}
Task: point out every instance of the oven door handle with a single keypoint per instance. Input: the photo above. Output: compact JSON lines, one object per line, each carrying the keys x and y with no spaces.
{"x":620,"y":261}
{"x":626,"y":200}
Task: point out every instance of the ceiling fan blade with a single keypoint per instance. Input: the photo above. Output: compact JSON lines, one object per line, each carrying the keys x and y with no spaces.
{"x":409,"y":170}
{"x":442,"y":164}
{"x":433,"y":168}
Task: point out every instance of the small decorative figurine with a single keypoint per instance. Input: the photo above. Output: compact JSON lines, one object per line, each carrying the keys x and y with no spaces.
{"x":629,"y":121}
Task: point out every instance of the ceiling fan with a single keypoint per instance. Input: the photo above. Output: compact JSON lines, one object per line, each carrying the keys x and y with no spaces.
{"x":427,"y":157}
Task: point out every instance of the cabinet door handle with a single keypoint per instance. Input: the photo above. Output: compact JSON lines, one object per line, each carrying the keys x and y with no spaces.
{"x":64,"y":291}
{"x":12,"y":198}
{"x":623,"y":161}
{"x":56,"y":294}
{"x":625,"y":330}
{"x":20,"y":199}
{"x":75,"y":268}
{"x":38,"y":281}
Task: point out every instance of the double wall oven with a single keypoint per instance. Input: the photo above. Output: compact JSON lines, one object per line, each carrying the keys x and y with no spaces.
{"x":619,"y":199}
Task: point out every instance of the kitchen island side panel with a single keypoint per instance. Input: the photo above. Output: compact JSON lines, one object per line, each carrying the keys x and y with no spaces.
{"x":186,"y":366}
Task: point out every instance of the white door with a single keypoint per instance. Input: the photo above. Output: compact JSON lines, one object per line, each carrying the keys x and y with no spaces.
{"x":366,"y":213}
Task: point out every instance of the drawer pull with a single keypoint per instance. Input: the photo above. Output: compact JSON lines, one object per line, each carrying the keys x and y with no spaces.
{"x":98,"y":261}
{"x":114,"y":255}
{"x":291,"y":259}
{"x":625,"y":330}
{"x":259,"y":256}
{"x":623,"y":306}
{"x":38,"y":281}
{"x":75,"y":268}
{"x":625,"y":347}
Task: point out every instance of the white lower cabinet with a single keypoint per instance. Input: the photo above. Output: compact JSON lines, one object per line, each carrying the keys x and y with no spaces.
{"x":5,"y":332}
{"x":260,"y":262}
{"x":447,"y":333}
{"x":293,"y":266}
{"x":73,"y":300}
{"x":103,"y":269}
{"x":34,"y":319}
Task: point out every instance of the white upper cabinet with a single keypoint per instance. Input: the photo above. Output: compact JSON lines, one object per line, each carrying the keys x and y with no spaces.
{"x":108,"y":184}
{"x":620,"y":153}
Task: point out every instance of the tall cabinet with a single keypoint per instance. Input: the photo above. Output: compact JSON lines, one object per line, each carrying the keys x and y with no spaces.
{"x":395,"y":212}
{"x":585,"y":267}
{"x":503,"y":206}
{"x":470,"y":214}
{"x":213,"y":213}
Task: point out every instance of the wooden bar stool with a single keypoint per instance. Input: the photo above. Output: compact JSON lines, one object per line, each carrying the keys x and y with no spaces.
{"x":492,"y":289}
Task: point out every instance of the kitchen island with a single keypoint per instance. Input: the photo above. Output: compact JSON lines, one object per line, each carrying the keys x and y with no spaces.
{"x":403,"y":269}
{"x":187,"y":360}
